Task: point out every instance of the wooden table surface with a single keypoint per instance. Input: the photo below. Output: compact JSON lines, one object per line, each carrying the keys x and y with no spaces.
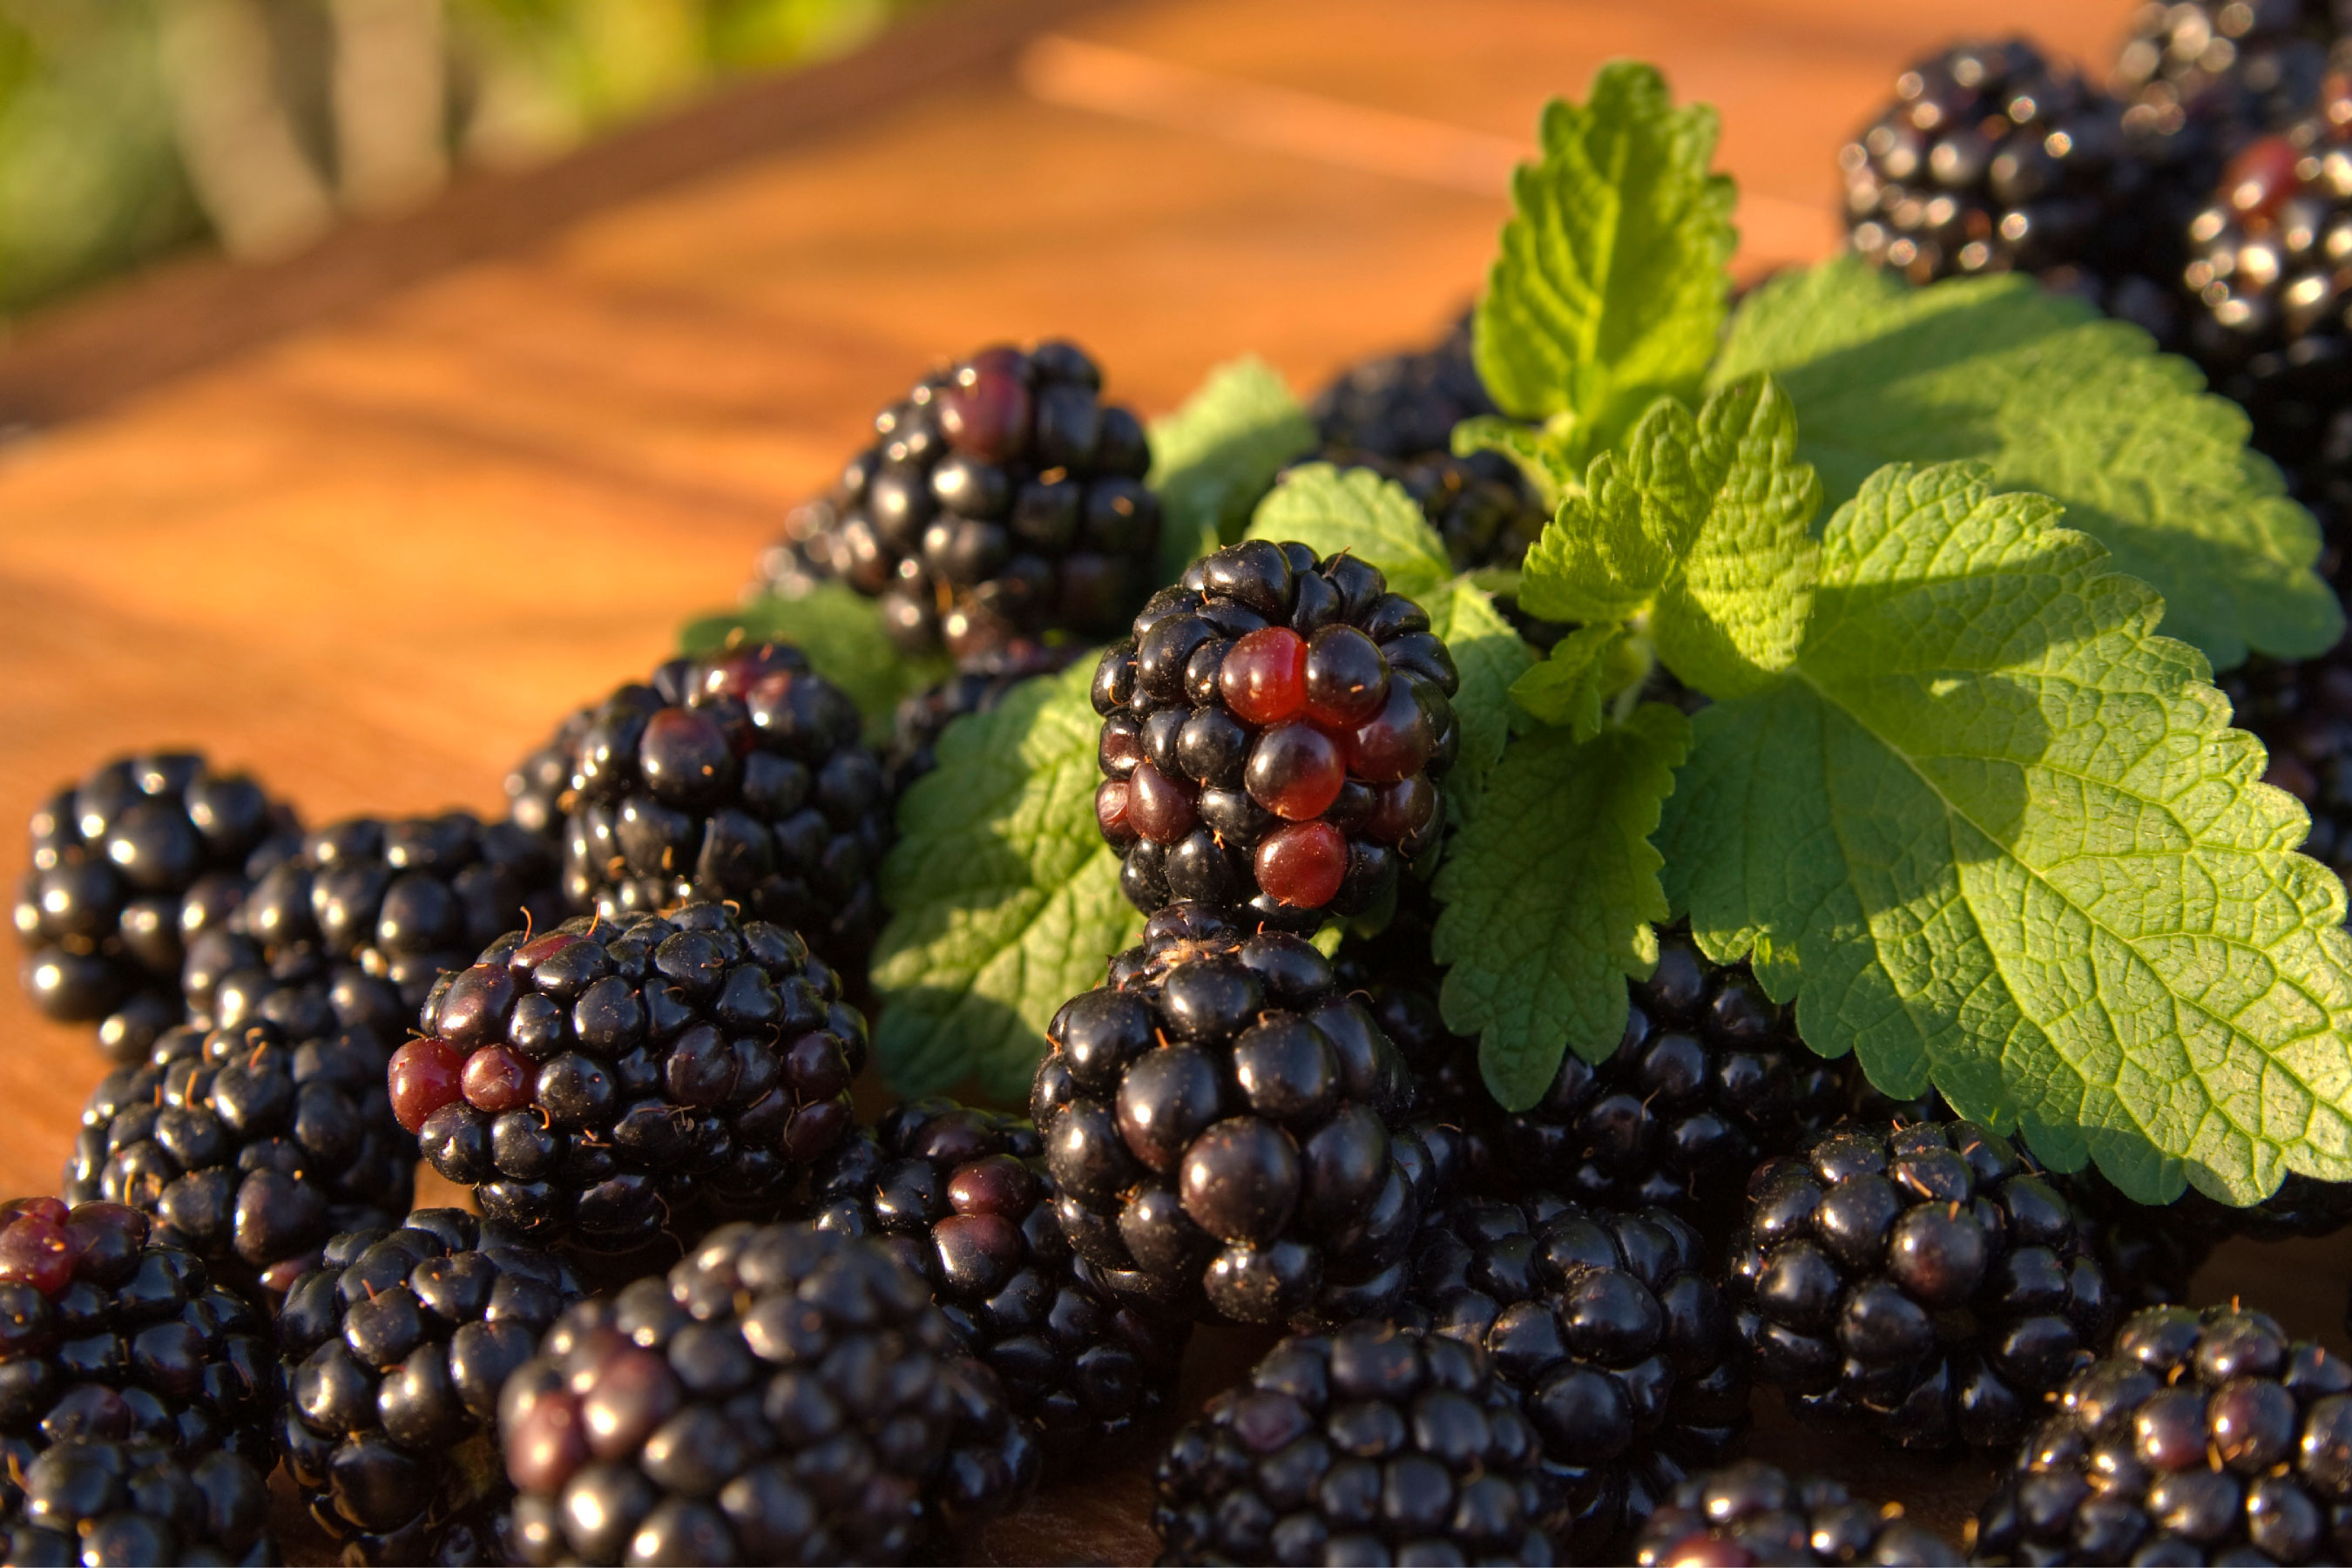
{"x":369,"y":521}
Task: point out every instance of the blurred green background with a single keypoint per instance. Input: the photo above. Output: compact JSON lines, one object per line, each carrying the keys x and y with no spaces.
{"x":132,"y":128}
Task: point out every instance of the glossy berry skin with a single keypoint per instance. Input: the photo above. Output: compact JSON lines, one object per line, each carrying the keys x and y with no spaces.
{"x":2202,"y":1437}
{"x":247,"y":1147}
{"x":1003,"y":499}
{"x":1223,"y":1124}
{"x":739,"y":778}
{"x":395,"y":1349}
{"x":1607,"y":1328}
{"x":128,"y":867}
{"x":102,"y":1502}
{"x":671,"y":1060}
{"x":2214,"y":77}
{"x":1251,"y":725}
{"x":109,"y":1337}
{"x":2301,"y":710}
{"x":1749,"y":1512}
{"x":783,"y":1394}
{"x":1372,"y":1444}
{"x":1924,"y":1282}
{"x":964,"y":1198}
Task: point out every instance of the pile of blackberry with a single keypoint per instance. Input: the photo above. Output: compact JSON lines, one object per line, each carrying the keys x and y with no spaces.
{"x":394,"y":1350}
{"x":1925,"y":1283}
{"x":130,"y":865}
{"x":739,"y":778}
{"x":964,"y":1199}
{"x":1611,"y":1331}
{"x":108,"y":1336}
{"x":1750,"y":1512}
{"x":109,"y":1502}
{"x":250,"y":1148}
{"x":2202,"y":1437}
{"x":2217,"y":74}
{"x":784,"y":1394}
{"x":592,"y":1082}
{"x":1993,"y":159}
{"x":1221,"y":1120}
{"x":1374,"y":1443}
{"x":1710,"y":1077}
{"x":1004,"y":499}
{"x":1273,"y":735}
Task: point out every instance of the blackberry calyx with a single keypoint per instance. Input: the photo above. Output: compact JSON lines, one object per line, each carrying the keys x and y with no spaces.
{"x":591,"y":1081}
{"x":1373,"y":1444}
{"x":1925,"y":1282}
{"x":130,"y":865}
{"x":92,"y":1501}
{"x":964,"y":1198}
{"x":2201,"y":1437}
{"x":395,"y":1349}
{"x":1004,"y":499}
{"x":1749,"y":1512}
{"x":784,"y":1394}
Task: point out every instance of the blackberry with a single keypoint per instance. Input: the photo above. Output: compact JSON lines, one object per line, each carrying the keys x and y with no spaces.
{"x":110,"y":1502}
{"x":106,"y":1337}
{"x":128,"y":866}
{"x":591,"y":1080}
{"x":1004,"y":499}
{"x":2219,"y":75}
{"x":356,"y":925}
{"x":1273,"y":735}
{"x":1993,"y":159}
{"x":1610,"y":1330}
{"x":1750,"y":1512}
{"x":964,"y":1198}
{"x":1374,"y":1443}
{"x":1404,"y":406}
{"x":2148,"y":1253}
{"x":250,"y":1148}
{"x":923,"y":717}
{"x":738,"y":778}
{"x":394,"y":1350}
{"x":1710,"y":1077}
{"x":1925,"y":1282}
{"x":2302,"y":713}
{"x":2202,"y":1438}
{"x":1220,"y":1118}
{"x":784,"y":1394}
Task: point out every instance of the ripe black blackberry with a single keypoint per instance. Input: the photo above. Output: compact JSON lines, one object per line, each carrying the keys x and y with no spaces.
{"x":354,"y":927}
{"x":1404,"y":405}
{"x":1926,"y":1282}
{"x":2219,"y":75}
{"x":1004,"y":499}
{"x":784,"y":1394}
{"x":1611,"y":1331}
{"x":1221,"y":1119}
{"x":106,"y":1337}
{"x":977,"y":687}
{"x":592,"y":1080}
{"x":395,"y":1349}
{"x":1273,"y":735}
{"x":2202,"y":1438}
{"x":738,"y":778}
{"x":128,"y":867}
{"x":1374,"y":1443}
{"x":91,"y":1501}
{"x":1749,"y":1512}
{"x":964,"y":1198}
{"x":1711,"y":1075}
{"x":250,"y":1148}
{"x":1993,"y":159}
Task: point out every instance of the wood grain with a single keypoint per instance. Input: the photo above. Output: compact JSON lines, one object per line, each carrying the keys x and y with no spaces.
{"x":370,"y":521}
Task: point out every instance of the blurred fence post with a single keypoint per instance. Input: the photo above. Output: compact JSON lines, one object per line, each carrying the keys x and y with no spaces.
{"x":247,"y":167}
{"x":391,"y":98}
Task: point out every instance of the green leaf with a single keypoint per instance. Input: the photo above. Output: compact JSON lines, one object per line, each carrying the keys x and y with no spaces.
{"x":1333,"y":509}
{"x":1489,"y":656}
{"x":1732,"y":616}
{"x":1212,"y":458}
{"x":1609,"y":549}
{"x":2058,"y":401}
{"x":1993,"y":832}
{"x":1549,"y":890}
{"x":1552,"y":455}
{"x":1006,"y":900}
{"x":842,"y":634}
{"x":1566,"y":688}
{"x":1609,"y":286}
